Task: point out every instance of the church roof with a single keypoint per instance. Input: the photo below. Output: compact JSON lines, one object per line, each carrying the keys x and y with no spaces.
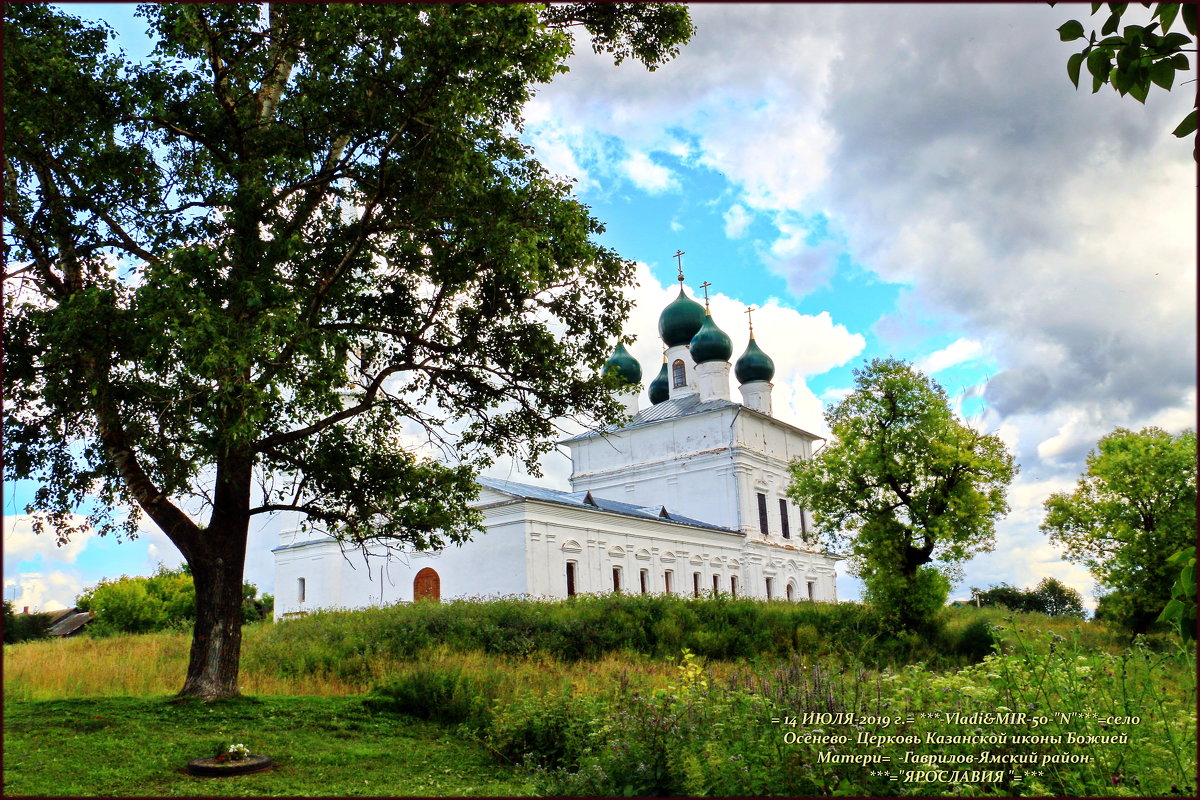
{"x":586,"y":500}
{"x":684,"y":406}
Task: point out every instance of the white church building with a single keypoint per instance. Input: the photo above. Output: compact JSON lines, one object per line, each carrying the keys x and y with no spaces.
{"x":689,"y":497}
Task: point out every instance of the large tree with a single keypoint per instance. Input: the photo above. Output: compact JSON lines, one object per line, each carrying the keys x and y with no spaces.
{"x":903,"y":484}
{"x":1133,"y":508}
{"x":245,"y":266}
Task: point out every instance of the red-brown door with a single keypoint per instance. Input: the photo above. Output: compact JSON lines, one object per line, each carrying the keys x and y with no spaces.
{"x":427,"y":585}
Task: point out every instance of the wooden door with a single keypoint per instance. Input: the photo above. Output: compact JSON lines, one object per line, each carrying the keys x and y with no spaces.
{"x":427,"y":585}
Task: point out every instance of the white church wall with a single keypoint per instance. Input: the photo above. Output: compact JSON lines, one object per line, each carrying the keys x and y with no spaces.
{"x":684,"y":464}
{"x":597,"y":542}
{"x":763,"y":452}
{"x":493,"y":563}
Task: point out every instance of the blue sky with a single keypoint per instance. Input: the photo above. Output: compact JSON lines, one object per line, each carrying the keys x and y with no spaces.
{"x":912,"y":181}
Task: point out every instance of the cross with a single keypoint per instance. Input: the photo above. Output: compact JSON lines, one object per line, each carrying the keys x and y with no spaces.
{"x":705,"y":286}
{"x":750,"y":319}
{"x":679,"y":254}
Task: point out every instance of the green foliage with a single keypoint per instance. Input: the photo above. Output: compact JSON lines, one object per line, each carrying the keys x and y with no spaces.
{"x":448,"y":696}
{"x":1180,"y":610}
{"x":906,"y":603}
{"x":1133,"y":508}
{"x":165,"y":600}
{"x":351,"y":644}
{"x":704,"y":737}
{"x":904,"y":483}
{"x":247,"y":262}
{"x":1050,"y":597}
{"x":24,"y":627}
{"x":1135,"y":58}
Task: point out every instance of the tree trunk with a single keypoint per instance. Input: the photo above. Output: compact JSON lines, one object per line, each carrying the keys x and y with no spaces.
{"x":217,"y":569}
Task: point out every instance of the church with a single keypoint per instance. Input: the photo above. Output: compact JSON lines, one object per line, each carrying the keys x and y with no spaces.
{"x":688,"y":497}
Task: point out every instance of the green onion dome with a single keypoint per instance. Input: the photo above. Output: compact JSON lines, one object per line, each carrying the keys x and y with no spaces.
{"x":680,"y":320}
{"x":754,"y":365}
{"x":710,"y":343}
{"x":660,"y":390}
{"x":625,"y":365}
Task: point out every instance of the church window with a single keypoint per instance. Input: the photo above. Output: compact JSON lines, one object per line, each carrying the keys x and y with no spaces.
{"x":644,"y":577}
{"x":803,"y":526}
{"x":783,"y":519}
{"x":811,"y":592}
{"x":427,"y":585}
{"x":716,"y":584}
{"x":770,"y":589}
{"x":616,"y":579}
{"x":678,"y":375}
{"x":696,"y":584}
{"x":762,"y":514}
{"x":791,"y":591}
{"x":667,"y":580}
{"x":570,"y":579}
{"x":300,"y":590}
{"x":733,"y":585}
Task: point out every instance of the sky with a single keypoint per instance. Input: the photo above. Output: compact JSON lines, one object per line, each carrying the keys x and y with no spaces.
{"x":909,"y":181}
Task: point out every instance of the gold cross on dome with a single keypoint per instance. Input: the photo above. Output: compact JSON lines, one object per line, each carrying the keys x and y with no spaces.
{"x":679,"y":254}
{"x":750,"y":319}
{"x":705,"y":286}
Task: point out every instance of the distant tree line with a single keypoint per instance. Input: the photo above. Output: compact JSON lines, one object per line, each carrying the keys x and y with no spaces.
{"x":1049,"y":597}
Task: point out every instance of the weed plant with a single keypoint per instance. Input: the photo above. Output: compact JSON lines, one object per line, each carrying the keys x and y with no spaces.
{"x":350,"y":644}
{"x":700,"y":736}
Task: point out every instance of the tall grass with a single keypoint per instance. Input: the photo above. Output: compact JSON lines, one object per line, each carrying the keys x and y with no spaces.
{"x":348,"y":652}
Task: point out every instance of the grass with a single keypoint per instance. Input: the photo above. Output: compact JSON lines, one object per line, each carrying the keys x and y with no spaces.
{"x":491,"y":698}
{"x":323,"y":746}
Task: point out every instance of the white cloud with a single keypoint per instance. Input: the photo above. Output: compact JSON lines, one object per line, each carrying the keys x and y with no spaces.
{"x":21,"y":543}
{"x":647,"y":175}
{"x":958,"y":352}
{"x":43,"y":592}
{"x":737,"y":220}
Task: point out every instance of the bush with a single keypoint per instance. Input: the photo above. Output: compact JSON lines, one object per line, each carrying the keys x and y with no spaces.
{"x":439,"y":694}
{"x":163,"y":601}
{"x":1050,"y":597}
{"x":24,"y":627}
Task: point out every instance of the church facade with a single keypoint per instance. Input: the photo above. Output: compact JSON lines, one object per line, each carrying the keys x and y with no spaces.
{"x":688,"y":497}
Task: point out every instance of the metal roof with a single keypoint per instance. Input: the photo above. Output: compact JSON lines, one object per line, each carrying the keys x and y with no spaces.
{"x":579,"y":500}
{"x":70,"y":623}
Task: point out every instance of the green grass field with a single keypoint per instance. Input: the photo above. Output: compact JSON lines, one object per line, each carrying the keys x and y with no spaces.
{"x":495,"y":699}
{"x":322,"y":746}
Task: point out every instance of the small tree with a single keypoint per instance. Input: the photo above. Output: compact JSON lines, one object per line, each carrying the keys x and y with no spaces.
{"x":1056,"y":599}
{"x":1133,"y":508}
{"x":1050,"y":597}
{"x":165,"y":600}
{"x":24,"y":627}
{"x":903,"y":484}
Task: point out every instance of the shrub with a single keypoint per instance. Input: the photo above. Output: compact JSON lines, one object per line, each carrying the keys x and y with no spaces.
{"x":163,"y":601}
{"x":440,"y":694}
{"x":1050,"y":597}
{"x":24,"y":627}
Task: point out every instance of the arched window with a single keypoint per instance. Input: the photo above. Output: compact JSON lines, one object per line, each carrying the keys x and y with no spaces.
{"x":427,"y":585}
{"x":678,"y":376}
